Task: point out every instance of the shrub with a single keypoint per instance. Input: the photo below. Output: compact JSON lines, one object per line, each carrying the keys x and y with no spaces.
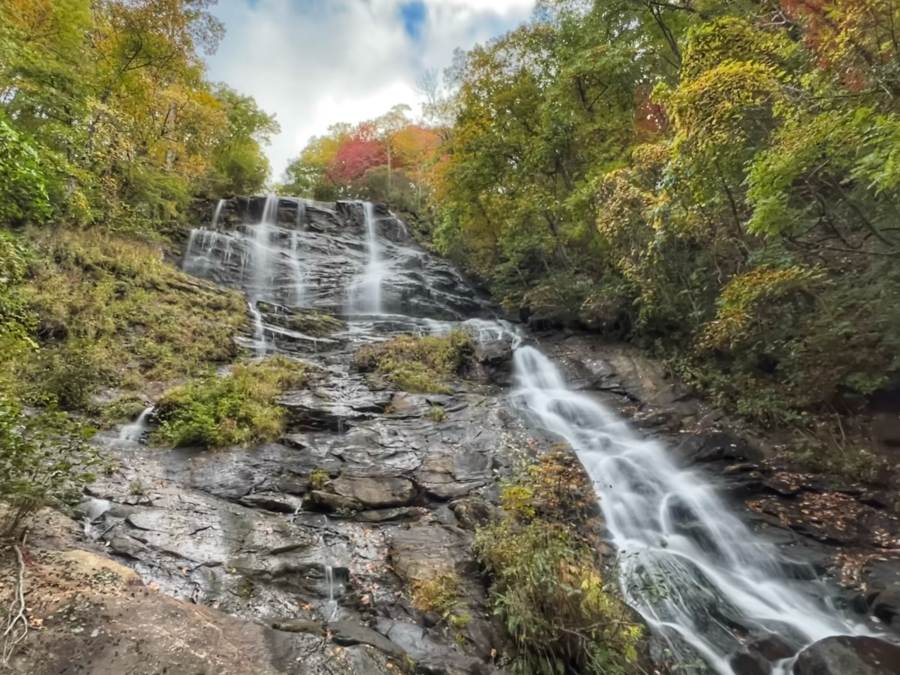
{"x":67,"y":375}
{"x":418,"y":364}
{"x":547,"y":587}
{"x":442,"y":595}
{"x":437,"y":414}
{"x":237,"y":409}
{"x":45,"y":459}
{"x":318,"y":479}
{"x":144,"y":319}
{"x":23,"y":189}
{"x":124,"y":409}
{"x":16,"y":322}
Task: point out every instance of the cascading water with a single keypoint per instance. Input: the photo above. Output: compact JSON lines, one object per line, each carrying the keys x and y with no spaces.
{"x":365,"y":292}
{"x":268,"y":256}
{"x":696,"y":574}
{"x":262,"y":250}
{"x":134,"y":431}
{"x":260,"y":347}
{"x":217,"y":213}
{"x":301,"y":213}
{"x":331,"y":605}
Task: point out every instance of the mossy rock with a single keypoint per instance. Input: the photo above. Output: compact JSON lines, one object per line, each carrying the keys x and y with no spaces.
{"x":419,"y":364}
{"x":239,"y":408}
{"x":307,"y":321}
{"x":122,"y":410}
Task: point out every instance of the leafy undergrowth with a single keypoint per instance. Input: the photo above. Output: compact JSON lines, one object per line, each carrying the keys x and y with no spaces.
{"x":108,"y":311}
{"x":46,"y":459}
{"x":442,"y":595}
{"x":237,"y":409}
{"x":547,"y":587}
{"x":418,"y":364}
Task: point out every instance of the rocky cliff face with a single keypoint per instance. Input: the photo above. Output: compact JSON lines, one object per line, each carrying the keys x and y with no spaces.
{"x":299,"y":556}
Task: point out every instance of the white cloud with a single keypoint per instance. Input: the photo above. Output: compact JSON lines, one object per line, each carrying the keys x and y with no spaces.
{"x":317,"y":62}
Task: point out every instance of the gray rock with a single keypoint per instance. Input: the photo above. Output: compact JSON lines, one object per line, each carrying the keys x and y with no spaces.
{"x":347,"y":633}
{"x":389,"y":515}
{"x":451,"y":473}
{"x":425,"y":551}
{"x":849,"y":655}
{"x":375,"y":491}
{"x":328,"y":501}
{"x":298,"y":626}
{"x":886,"y":606}
{"x":473,"y":512}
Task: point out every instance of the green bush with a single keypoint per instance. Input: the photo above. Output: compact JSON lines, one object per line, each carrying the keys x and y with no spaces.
{"x":23,"y":189}
{"x":145,"y":319}
{"x":442,"y":595}
{"x":418,"y":364}
{"x":237,"y":409}
{"x":45,"y":459}
{"x":16,"y":321}
{"x":67,"y":375}
{"x":546,"y":583}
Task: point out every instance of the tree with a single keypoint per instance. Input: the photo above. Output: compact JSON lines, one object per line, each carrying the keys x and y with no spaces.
{"x":385,"y":128}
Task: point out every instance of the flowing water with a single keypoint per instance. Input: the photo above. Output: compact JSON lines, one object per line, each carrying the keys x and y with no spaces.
{"x":260,"y":347}
{"x":365,"y":293}
{"x":267,"y":257}
{"x":217,"y":214}
{"x":691,"y":568}
{"x":331,"y":605}
{"x":134,"y":432}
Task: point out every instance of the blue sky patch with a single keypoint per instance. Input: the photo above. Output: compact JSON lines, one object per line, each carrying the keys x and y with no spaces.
{"x":413,"y":14}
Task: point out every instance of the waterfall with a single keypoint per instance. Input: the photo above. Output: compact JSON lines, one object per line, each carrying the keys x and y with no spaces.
{"x":259,"y":330}
{"x":690,"y":567}
{"x":134,"y":431}
{"x":331,"y":605}
{"x":301,"y":213}
{"x":296,"y":269}
{"x":365,"y":291}
{"x":217,"y":213}
{"x":261,"y":258}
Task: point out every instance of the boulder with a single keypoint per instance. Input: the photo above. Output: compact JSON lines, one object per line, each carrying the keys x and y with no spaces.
{"x":849,"y":655}
{"x":425,"y":551}
{"x":886,"y":606}
{"x":347,"y":633}
{"x":375,"y":492}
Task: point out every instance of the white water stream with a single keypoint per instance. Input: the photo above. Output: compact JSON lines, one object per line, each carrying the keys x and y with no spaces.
{"x":688,"y":565}
{"x":365,"y":292}
{"x":270,"y":257}
{"x":134,"y":431}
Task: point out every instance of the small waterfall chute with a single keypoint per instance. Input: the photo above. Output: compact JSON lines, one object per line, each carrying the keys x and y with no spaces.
{"x":134,"y":431}
{"x":260,"y":346}
{"x":217,"y":214}
{"x":365,"y":291}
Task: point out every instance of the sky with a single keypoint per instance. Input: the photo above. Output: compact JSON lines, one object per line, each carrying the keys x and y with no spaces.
{"x":317,"y":62}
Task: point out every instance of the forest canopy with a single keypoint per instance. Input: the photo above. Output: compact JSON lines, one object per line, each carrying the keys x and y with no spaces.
{"x":106,"y":115}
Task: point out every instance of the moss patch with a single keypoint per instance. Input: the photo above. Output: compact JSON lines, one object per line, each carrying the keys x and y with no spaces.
{"x":442,"y":595}
{"x":111,"y":311}
{"x":418,"y":364}
{"x":306,"y":321}
{"x":237,"y":409}
{"x":547,"y":586}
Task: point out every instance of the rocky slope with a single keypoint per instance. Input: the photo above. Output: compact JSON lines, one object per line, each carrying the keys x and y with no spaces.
{"x":300,"y":556}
